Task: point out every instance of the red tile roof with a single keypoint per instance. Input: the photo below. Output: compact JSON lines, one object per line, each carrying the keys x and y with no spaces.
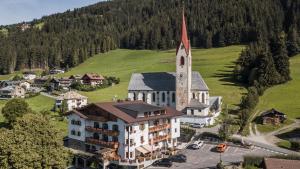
{"x":93,"y":76}
{"x":112,"y":108}
{"x":274,"y":163}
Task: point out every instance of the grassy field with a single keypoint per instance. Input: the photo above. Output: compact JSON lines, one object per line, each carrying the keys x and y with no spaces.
{"x":285,"y":97}
{"x":215,"y":65}
{"x":37,"y":103}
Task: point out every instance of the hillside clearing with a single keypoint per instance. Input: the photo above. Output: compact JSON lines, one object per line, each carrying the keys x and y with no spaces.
{"x":215,"y":65}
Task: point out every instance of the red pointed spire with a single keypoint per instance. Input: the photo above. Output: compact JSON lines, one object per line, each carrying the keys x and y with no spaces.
{"x":184,"y":36}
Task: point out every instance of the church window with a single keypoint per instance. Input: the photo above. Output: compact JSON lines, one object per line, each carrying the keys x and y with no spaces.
{"x":173,"y":97}
{"x":163,"y":97}
{"x":194,"y":95}
{"x":134,"y":96}
{"x":153,"y":97}
{"x":144,"y":97}
{"x":203,"y":97}
{"x":181,"y":61}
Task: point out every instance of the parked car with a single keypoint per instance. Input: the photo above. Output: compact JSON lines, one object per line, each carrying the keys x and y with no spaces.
{"x":222,"y":147}
{"x":247,"y":145}
{"x":197,"y":144}
{"x":197,"y":125}
{"x":165,"y":162}
{"x":179,"y":158}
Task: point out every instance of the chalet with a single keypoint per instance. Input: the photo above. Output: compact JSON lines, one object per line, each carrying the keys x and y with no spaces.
{"x":39,"y":82}
{"x":130,"y":134}
{"x":63,"y":83}
{"x":274,"y":163}
{"x":92,"y":79}
{"x":56,"y":71}
{"x":273,"y":117}
{"x":72,"y":99}
{"x":6,"y":83}
{"x":29,"y":75}
{"x":75,"y":78}
{"x":12,"y":92}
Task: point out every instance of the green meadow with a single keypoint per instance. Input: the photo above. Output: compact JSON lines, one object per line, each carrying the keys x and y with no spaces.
{"x":215,"y":65}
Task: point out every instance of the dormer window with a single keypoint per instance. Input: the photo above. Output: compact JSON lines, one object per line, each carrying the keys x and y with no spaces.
{"x":181,"y":61}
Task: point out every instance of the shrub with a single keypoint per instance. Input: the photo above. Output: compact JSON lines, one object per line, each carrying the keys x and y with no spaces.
{"x":253,"y":161}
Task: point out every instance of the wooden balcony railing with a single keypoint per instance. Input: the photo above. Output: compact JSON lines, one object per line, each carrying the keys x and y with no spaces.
{"x":160,"y":138}
{"x":160,"y":127}
{"x":102,"y":131}
{"x":108,"y":144}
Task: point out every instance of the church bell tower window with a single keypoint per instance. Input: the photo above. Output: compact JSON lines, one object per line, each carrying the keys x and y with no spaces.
{"x":181,"y":61}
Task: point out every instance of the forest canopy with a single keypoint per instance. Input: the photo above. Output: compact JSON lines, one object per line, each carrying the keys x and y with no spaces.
{"x":67,"y":39}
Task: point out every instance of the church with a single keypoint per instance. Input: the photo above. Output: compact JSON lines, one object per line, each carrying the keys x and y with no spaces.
{"x":184,"y":89}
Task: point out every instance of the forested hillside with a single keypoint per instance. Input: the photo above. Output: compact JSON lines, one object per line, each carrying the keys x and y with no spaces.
{"x":67,"y":39}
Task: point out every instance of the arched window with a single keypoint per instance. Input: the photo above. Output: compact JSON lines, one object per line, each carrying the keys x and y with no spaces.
{"x":163,"y":97}
{"x":144,"y":97}
{"x":153,"y":97}
{"x":203,"y":97}
{"x":194,"y":95}
{"x":173,"y":97}
{"x":104,"y":126}
{"x":134,"y":96}
{"x":181,"y":61}
{"x":96,"y":136}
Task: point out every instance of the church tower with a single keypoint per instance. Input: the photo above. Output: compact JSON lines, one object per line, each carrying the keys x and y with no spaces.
{"x":183,"y":69}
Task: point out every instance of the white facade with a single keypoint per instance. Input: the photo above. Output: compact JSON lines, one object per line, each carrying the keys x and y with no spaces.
{"x":72,"y":99}
{"x":157,"y":98}
{"x":155,"y":135}
{"x":29,"y":76}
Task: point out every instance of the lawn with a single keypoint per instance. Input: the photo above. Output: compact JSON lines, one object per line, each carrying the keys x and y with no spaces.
{"x":37,"y":103}
{"x":215,"y":65}
{"x":285,"y":97}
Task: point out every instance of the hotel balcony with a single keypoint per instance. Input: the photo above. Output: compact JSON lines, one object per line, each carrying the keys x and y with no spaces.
{"x":108,"y":144}
{"x":102,"y":131}
{"x":160,"y":138}
{"x":160,"y":127}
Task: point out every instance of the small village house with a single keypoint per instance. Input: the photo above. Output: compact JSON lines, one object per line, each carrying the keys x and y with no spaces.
{"x":92,"y":79}
{"x":29,"y":75}
{"x":62,"y":83}
{"x":273,"y":117}
{"x":72,"y":99}
{"x":126,"y":133}
{"x":56,"y":71}
{"x":9,"y":92}
{"x":75,"y":78}
{"x":39,"y":82}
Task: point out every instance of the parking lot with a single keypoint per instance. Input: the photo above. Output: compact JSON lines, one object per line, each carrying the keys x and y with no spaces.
{"x":207,"y":157}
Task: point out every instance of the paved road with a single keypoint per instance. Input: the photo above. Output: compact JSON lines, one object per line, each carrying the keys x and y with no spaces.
{"x":206,"y":157}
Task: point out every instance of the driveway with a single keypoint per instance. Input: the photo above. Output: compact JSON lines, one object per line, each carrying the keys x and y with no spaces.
{"x":206,"y":157}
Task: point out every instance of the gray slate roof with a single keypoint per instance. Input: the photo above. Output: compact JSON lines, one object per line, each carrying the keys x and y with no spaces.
{"x":196,"y":104}
{"x":162,"y":81}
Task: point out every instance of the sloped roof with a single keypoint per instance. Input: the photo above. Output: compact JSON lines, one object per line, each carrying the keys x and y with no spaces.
{"x":93,"y":76}
{"x":196,"y":104}
{"x":71,"y":95}
{"x":114,"y":109}
{"x":163,"y":81}
{"x":184,"y":36}
{"x":274,"y":163}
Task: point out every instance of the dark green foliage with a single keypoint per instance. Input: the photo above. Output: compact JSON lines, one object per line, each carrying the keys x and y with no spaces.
{"x":295,"y":145}
{"x":253,"y":161}
{"x":33,"y":142}
{"x":186,"y":134}
{"x":15,"y":108}
{"x":69,"y":38}
{"x":17,"y":78}
{"x":108,"y":81}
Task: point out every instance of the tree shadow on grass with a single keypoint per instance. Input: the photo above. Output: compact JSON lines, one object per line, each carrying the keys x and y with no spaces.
{"x":227,"y":76}
{"x":4,"y":125}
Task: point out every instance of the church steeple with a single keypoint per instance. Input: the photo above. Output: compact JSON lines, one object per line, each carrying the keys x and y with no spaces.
{"x":184,"y":36}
